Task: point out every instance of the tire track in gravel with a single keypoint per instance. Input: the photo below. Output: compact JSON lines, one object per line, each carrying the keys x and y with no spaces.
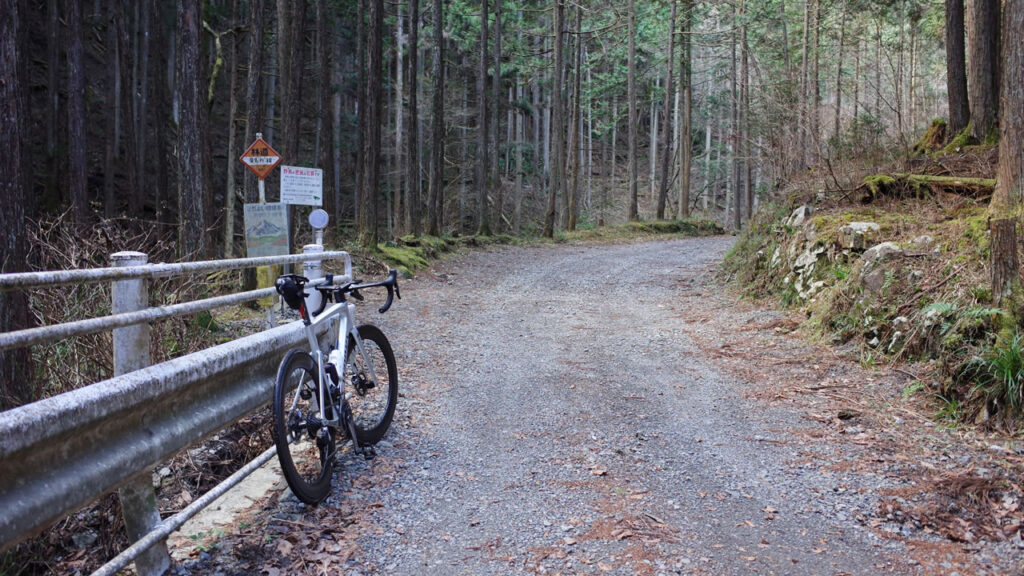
{"x":557,"y":417}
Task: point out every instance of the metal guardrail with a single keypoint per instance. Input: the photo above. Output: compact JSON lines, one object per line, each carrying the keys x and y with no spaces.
{"x":60,"y":453}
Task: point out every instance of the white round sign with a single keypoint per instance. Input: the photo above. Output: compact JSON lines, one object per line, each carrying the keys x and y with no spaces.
{"x":318,"y":219}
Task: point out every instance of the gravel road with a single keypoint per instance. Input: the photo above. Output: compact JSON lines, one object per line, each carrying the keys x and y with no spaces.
{"x":558,"y":417}
{"x":609,"y":409}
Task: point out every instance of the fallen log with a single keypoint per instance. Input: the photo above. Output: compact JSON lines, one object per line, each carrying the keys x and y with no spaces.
{"x":922,"y":186}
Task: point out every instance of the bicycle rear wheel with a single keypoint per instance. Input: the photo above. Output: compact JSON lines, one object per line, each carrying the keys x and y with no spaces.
{"x":372,"y":399}
{"x":305,"y":447}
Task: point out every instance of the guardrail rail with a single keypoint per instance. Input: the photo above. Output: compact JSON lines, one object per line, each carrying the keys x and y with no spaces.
{"x":61,"y":453}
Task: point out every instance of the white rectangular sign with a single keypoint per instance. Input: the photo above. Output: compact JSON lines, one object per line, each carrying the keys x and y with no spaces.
{"x":302,"y":186}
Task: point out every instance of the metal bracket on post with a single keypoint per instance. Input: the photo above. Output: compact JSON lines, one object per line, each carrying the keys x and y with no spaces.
{"x":131,"y":352}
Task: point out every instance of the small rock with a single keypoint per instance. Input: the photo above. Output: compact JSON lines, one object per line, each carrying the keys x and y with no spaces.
{"x":873,"y":280}
{"x":882,"y":253}
{"x":857,"y":235}
{"x":799,"y":216}
{"x":85,"y":539}
{"x":922,"y":243}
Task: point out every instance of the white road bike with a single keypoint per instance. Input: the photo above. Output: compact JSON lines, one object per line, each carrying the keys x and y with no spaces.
{"x":349,"y":392}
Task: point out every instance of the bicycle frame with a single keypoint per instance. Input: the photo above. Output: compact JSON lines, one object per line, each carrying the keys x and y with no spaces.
{"x":346,"y":315}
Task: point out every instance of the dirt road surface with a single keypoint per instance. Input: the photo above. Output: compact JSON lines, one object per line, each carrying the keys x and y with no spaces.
{"x":609,"y":409}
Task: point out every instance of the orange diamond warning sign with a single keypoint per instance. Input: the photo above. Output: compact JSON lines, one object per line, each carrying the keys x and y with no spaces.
{"x":260,"y":158}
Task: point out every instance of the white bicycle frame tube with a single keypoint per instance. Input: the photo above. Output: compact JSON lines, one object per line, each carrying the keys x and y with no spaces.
{"x":346,"y":313}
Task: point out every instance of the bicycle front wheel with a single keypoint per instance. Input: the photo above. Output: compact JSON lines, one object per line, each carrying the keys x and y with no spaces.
{"x":305,"y":446}
{"x":373,"y":383}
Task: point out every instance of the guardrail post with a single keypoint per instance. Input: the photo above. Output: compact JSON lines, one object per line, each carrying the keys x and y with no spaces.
{"x":131,"y":352}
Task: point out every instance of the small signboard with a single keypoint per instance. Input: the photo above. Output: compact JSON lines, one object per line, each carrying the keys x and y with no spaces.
{"x":302,"y":186}
{"x":260,"y":158}
{"x":266,"y":230}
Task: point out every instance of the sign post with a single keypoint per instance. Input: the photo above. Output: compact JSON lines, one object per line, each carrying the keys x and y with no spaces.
{"x":266,"y":225}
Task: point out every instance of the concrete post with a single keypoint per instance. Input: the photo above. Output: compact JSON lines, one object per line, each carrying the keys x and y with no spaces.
{"x":131,"y":352}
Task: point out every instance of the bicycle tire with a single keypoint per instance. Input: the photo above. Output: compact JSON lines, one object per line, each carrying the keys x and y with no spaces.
{"x":373,"y":407}
{"x":306,"y":459}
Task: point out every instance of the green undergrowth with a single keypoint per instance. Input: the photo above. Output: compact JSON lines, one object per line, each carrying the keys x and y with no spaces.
{"x":411,"y":253}
{"x":928,"y":300}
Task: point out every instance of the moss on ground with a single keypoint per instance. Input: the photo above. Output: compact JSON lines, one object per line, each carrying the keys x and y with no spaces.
{"x":958,"y":142}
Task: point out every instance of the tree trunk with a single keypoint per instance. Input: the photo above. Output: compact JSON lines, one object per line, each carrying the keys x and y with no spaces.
{"x":78,"y":176}
{"x":652,"y":146}
{"x":686,"y":115}
{"x":983,"y":79}
{"x":666,"y":132}
{"x":483,"y":167}
{"x":804,"y":114}
{"x":956,"y":68}
{"x":291,"y":58}
{"x":815,"y":81}
{"x":633,"y":213}
{"x":413,"y":201}
{"x":137,"y":195}
{"x":557,"y":130}
{"x":744,"y":132}
{"x":520,"y":137}
{"x":1007,"y":198}
{"x":191,"y":193}
{"x":615,"y":139}
{"x":253,"y":94}
{"x":361,"y":105}
{"x":113,"y":102}
{"x":573,"y":211}
{"x":163,"y":71}
{"x":856,"y":77}
{"x":54,"y":44}
{"x":495,"y":177}
{"x":129,"y":64}
{"x":16,"y":367}
{"x":398,"y":170}
{"x":374,"y":117}
{"x":839,"y":76}
{"x":325,"y":119}
{"x":734,"y":139}
{"x":232,"y":163}
{"x":435,"y":202}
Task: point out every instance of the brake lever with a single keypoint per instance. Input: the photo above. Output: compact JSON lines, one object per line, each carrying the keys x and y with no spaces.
{"x":392,"y":285}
